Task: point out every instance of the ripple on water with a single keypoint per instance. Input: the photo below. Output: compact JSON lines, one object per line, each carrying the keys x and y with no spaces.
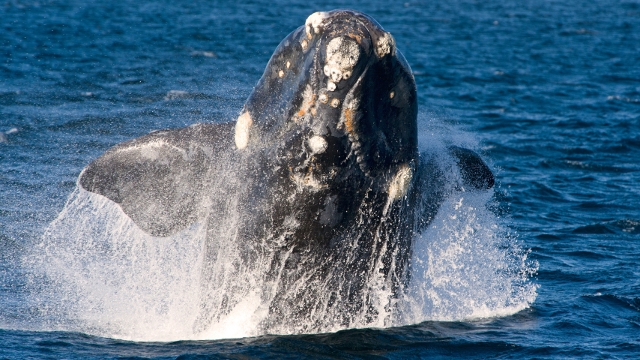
{"x":628,"y":226}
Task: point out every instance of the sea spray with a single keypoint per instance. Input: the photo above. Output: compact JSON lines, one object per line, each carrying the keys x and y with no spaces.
{"x":466,"y":266}
{"x":100,"y":274}
{"x":96,"y":272}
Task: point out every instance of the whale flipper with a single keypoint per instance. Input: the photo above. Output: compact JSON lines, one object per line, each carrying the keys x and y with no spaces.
{"x":431,"y":181}
{"x":158,"y":179}
{"x":474,"y":171}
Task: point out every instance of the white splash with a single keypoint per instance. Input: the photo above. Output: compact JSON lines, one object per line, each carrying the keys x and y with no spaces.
{"x":465,"y":266}
{"x":96,"y":272}
{"x":103,"y":275}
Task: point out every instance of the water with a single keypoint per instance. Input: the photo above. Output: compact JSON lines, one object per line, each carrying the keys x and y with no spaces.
{"x":548,"y":92}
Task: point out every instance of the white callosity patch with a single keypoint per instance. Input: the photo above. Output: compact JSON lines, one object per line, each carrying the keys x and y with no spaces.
{"x":243,"y":125}
{"x":386,"y":45}
{"x":342,"y":56}
{"x":317,"y":144}
{"x":314,"y":23}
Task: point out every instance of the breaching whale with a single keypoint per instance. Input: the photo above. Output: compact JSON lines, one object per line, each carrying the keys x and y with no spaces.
{"x":319,"y":178}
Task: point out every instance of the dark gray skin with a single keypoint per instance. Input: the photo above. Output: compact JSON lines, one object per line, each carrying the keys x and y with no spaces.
{"x":327,"y":179}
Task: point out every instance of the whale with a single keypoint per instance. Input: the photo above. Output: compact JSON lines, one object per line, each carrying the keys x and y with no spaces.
{"x":318,"y":184}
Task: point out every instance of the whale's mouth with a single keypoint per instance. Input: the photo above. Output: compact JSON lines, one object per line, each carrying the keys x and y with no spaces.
{"x":339,"y":86}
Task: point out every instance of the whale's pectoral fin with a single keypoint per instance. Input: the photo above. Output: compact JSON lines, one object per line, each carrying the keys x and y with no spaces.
{"x":475,"y":172}
{"x":158,"y":179}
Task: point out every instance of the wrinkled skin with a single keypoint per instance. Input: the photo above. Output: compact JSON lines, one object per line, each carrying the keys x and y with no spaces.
{"x":321,"y":172}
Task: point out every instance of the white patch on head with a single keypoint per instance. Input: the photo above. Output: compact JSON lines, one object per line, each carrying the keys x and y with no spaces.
{"x":335,"y":103}
{"x":342,"y":56}
{"x":392,"y":94}
{"x":243,"y":125}
{"x":304,"y":44}
{"x":323,"y":98}
{"x":386,"y":45}
{"x":331,"y":86}
{"x":314,"y":22}
{"x":317,"y":144}
{"x":281,"y":73}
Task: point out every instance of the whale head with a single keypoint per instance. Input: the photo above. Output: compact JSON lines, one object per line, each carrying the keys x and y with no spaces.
{"x":335,"y":93}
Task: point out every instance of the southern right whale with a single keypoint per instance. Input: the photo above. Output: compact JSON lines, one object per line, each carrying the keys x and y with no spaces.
{"x":318,"y":184}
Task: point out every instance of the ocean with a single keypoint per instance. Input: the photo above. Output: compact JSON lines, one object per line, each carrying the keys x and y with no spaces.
{"x":544,"y":266}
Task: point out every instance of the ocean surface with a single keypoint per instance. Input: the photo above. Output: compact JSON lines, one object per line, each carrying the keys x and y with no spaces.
{"x":547,"y":91}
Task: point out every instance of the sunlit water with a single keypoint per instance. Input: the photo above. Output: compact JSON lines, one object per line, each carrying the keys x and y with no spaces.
{"x":547,"y":91}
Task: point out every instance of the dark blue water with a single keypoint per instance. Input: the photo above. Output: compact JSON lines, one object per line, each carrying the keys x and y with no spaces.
{"x":549,"y":90}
